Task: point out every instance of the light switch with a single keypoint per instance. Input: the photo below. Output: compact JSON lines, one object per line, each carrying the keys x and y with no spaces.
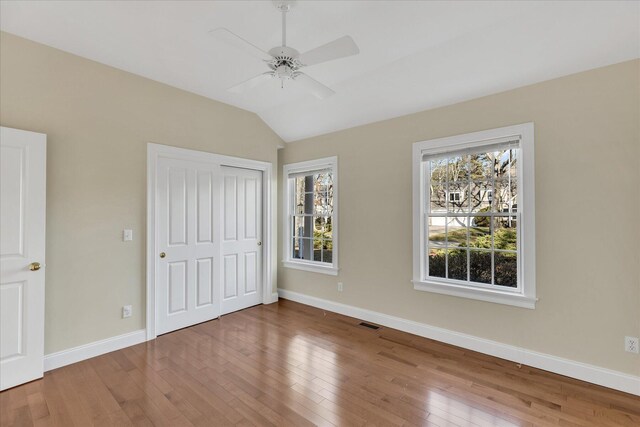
{"x":127,"y":235}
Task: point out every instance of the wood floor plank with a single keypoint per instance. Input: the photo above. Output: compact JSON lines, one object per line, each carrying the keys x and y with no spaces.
{"x":288,"y":364}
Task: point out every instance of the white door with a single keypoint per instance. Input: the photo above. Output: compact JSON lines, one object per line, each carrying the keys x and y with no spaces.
{"x":22,"y":228}
{"x":188,"y":244}
{"x":241,"y":238}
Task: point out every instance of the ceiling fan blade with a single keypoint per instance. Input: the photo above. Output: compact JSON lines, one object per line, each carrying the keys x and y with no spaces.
{"x":234,"y":40}
{"x":251,"y":83}
{"x":339,"y":48}
{"x":313,"y":86}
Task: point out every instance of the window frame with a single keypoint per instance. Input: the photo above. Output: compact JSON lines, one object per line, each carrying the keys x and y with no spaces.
{"x":525,"y":295}
{"x":289,"y":192}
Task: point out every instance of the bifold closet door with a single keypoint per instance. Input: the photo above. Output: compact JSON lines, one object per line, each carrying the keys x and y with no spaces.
{"x":188,"y":273}
{"x":241,"y":261}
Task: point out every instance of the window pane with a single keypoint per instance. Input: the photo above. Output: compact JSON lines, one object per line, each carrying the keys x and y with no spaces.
{"x":303,"y":203}
{"x":298,"y":196}
{"x":308,"y":203}
{"x":327,"y":251}
{"x":321,"y":203}
{"x":481,"y":166}
{"x":328,"y":230}
{"x":458,"y":197}
{"x":505,"y":195}
{"x":322,"y":181}
{"x":300,"y":184}
{"x":322,"y":225}
{"x":437,"y":262}
{"x":321,"y":231}
{"x":457,"y":231}
{"x":457,"y":264}
{"x":481,"y":196}
{"x":480,"y":232}
{"x":506,"y":269}
{"x":295,"y":249}
{"x":505,"y":234}
{"x":438,"y":198}
{"x":437,"y":232}
{"x":301,"y":248}
{"x":500,"y":196}
{"x":480,"y":266}
{"x":317,"y":248}
{"x":503,"y":164}
{"x":513,"y":171}
{"x":438,"y":171}
{"x":298,"y":227}
{"x":513,"y":193}
{"x":458,"y":170}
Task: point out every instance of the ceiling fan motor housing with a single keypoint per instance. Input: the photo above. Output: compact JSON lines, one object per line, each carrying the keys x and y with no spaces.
{"x":284,"y":63}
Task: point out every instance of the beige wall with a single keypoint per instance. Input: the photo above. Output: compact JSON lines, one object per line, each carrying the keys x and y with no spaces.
{"x":587,"y":204}
{"x":98,"y":121}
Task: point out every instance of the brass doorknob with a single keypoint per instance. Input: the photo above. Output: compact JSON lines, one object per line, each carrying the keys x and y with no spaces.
{"x":34,"y":266}
{"x":162,"y":255}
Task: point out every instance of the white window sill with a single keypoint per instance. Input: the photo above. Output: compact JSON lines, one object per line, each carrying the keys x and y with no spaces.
{"x":313,"y":267}
{"x":489,"y":295}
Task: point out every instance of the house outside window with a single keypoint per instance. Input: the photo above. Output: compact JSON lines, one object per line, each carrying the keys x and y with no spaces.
{"x":474,"y":224}
{"x":311,"y":229}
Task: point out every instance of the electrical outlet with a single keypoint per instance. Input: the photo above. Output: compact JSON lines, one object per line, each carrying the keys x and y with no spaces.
{"x":631,"y":344}
{"x":340,"y":287}
{"x":126,"y":311}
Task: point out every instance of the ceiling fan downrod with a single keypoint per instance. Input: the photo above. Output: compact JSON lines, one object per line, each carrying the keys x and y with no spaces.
{"x":284,"y":8}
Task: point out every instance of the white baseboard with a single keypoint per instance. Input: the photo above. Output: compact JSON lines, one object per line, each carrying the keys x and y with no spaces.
{"x":87,"y":351}
{"x":97,"y":348}
{"x":274,"y":297}
{"x":582,"y":371}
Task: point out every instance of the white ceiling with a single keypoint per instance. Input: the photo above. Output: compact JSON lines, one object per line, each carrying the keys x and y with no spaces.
{"x":414,"y":55}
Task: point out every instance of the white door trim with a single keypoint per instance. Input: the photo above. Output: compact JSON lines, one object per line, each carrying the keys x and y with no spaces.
{"x":154,"y":152}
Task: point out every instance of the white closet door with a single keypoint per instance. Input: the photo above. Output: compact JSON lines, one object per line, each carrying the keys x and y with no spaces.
{"x":188,"y":269}
{"x":22,"y":245}
{"x":241,"y":238}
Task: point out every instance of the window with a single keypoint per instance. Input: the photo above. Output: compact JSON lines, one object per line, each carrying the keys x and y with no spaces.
{"x":311,"y":229}
{"x":454,"y":196}
{"x":474,"y":210}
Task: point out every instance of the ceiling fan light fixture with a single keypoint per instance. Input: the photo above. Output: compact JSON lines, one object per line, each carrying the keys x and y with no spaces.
{"x":284,"y":72}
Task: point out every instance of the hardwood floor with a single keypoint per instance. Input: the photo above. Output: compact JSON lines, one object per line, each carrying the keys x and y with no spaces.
{"x":288,"y":364}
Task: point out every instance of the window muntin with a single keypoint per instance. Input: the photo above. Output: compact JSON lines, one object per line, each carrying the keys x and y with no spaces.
{"x":473,"y":233}
{"x":310,"y":215}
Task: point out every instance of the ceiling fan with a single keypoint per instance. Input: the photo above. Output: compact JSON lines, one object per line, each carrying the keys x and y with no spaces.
{"x":285,"y":62}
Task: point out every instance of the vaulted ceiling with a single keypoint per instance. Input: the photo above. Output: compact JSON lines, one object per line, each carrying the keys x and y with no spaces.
{"x":414,"y":55}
